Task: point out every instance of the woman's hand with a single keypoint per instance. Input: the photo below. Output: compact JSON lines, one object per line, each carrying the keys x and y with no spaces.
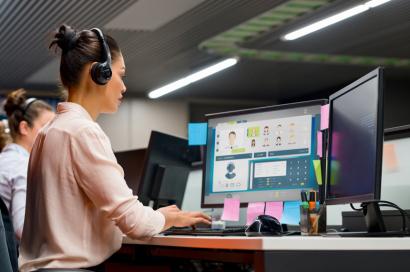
{"x":174,"y":217}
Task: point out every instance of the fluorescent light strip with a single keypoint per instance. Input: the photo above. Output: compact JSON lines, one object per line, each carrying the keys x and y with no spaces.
{"x":333,"y":19}
{"x":193,"y":78}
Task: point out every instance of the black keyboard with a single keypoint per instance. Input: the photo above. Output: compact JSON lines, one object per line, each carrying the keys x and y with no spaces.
{"x":229,"y":231}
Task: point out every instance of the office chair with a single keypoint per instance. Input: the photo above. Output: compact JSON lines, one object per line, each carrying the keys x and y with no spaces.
{"x":8,"y":248}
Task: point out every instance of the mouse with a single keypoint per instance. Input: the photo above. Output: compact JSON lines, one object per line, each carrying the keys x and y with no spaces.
{"x":264,"y":225}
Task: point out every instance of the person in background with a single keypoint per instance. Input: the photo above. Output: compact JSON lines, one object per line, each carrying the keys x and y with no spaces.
{"x":5,"y":138}
{"x":25,"y":118}
{"x":78,"y":203}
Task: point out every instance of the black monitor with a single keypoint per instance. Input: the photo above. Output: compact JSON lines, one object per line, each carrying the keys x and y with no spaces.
{"x":168,"y":162}
{"x":261,"y":154}
{"x":131,"y":162}
{"x":356,"y":145}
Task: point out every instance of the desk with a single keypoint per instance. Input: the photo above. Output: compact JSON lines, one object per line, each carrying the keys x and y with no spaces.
{"x":294,"y":253}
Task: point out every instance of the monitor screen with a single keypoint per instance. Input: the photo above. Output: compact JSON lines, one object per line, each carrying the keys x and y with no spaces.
{"x":263,"y":154}
{"x":355,"y":141}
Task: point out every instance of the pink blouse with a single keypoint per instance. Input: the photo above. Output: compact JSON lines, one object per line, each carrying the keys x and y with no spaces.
{"x":78,"y":204}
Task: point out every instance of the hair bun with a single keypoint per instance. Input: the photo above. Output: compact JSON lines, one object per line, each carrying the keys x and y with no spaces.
{"x":15,"y":101}
{"x":65,"y":38}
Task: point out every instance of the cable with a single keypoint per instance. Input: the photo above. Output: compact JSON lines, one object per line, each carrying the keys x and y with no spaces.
{"x":355,"y":209}
{"x":404,"y":225}
{"x":386,"y":204}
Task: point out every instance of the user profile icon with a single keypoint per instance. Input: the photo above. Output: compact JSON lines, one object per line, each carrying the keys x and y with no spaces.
{"x":230,"y":168}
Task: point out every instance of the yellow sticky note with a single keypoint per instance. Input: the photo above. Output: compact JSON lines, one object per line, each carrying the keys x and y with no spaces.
{"x":318,"y":171}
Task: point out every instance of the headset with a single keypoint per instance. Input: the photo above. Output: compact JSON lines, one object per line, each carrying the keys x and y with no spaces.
{"x":27,"y":105}
{"x":101,"y":71}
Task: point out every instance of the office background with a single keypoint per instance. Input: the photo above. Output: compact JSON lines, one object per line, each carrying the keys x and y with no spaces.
{"x":161,"y":42}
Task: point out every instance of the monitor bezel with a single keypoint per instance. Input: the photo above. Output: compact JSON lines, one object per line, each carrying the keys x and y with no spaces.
{"x":375,"y":195}
{"x":317,"y":102}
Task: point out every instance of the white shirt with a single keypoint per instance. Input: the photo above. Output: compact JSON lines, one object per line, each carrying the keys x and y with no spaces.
{"x":13,"y":183}
{"x":78,"y":204}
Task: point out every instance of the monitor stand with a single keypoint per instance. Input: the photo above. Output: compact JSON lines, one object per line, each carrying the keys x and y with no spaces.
{"x":374,"y":223}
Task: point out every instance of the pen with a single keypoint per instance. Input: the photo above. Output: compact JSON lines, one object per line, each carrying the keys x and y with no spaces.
{"x":304,"y":199}
{"x":303,"y":196}
{"x":312,"y":200}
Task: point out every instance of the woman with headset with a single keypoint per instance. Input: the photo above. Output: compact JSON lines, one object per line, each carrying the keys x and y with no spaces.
{"x":78,"y":204}
{"x":25,"y":119}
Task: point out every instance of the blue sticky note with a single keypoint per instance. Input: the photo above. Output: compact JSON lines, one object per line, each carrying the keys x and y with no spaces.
{"x":291,"y":213}
{"x":197,"y":133}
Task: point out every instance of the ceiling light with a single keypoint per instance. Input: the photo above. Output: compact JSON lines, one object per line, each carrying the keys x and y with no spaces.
{"x":375,"y":3}
{"x":192,"y":78}
{"x":333,"y":19}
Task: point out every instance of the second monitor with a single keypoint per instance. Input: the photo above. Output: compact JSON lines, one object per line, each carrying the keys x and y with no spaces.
{"x":262,"y":154}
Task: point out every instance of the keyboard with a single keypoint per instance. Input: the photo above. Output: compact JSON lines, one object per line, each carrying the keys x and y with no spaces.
{"x":229,"y":231}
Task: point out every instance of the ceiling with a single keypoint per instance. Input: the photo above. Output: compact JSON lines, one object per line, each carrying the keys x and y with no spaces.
{"x":160,"y":38}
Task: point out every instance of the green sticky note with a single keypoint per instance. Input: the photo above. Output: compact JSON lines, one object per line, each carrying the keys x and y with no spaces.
{"x":318,"y":171}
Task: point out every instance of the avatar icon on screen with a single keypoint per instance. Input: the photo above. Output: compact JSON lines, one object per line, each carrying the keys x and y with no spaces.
{"x":230,"y":168}
{"x":278,"y":141}
{"x":266,"y":142}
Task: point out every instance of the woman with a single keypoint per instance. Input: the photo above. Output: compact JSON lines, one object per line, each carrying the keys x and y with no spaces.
{"x":5,"y":138}
{"x":25,"y":118}
{"x":78,"y":204}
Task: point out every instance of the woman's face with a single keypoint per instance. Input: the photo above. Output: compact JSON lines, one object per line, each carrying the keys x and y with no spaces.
{"x":115,"y":88}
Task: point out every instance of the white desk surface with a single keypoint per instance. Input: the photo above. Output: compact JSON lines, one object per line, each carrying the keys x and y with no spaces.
{"x":277,"y":243}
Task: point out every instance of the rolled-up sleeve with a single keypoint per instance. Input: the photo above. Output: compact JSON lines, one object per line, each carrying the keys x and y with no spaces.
{"x":18,"y":203}
{"x":102,"y":179}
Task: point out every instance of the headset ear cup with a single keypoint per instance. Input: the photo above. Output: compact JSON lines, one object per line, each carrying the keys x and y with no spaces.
{"x":100,"y":74}
{"x":94,"y":73}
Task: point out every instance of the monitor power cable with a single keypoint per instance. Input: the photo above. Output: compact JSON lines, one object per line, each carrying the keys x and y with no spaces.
{"x":384,"y":203}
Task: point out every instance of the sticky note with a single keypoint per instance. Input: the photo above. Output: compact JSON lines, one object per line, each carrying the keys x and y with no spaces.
{"x":231,"y":209}
{"x":318,"y":171}
{"x":254,"y":209}
{"x":319,"y":144}
{"x":197,"y":133}
{"x":291,"y":213}
{"x":324,"y":117}
{"x":274,"y":209}
{"x":390,"y":158}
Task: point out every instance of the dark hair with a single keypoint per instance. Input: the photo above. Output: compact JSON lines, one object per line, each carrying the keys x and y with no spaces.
{"x":18,"y":110}
{"x":232,"y":132}
{"x":79,"y":48}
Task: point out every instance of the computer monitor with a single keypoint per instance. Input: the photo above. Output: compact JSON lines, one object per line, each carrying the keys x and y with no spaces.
{"x":131,"y":162}
{"x":168,"y":162}
{"x":261,"y":154}
{"x":356,"y":145}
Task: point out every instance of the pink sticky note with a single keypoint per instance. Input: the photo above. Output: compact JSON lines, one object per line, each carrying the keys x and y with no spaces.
{"x":274,"y":209}
{"x":231,"y":209}
{"x":319,"y":144}
{"x":324,"y":117}
{"x":254,"y":209}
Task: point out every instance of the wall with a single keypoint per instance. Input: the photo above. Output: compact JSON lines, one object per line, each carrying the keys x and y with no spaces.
{"x":131,"y":126}
{"x":396,"y":104}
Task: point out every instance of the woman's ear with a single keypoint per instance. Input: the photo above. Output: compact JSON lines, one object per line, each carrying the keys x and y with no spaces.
{"x":24,"y":128}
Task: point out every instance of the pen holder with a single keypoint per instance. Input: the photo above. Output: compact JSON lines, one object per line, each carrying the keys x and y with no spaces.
{"x":312,"y":220}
